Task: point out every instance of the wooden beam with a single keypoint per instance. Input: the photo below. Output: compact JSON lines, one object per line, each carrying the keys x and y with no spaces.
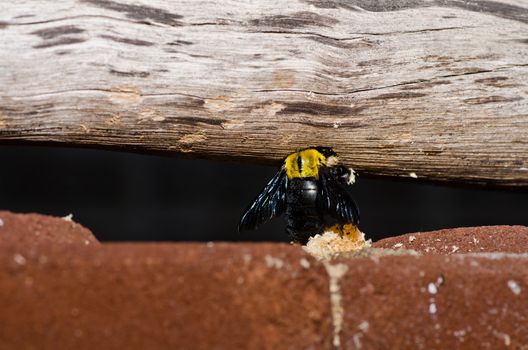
{"x":430,"y":89}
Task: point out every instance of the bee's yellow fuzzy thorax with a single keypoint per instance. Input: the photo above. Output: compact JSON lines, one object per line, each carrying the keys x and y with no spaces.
{"x":304,"y":163}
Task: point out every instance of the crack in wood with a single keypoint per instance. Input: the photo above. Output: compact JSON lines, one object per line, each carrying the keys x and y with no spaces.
{"x":70,"y":18}
{"x":360,"y":35}
{"x":136,"y":74}
{"x":138,"y":12}
{"x":136,"y":42}
{"x":494,"y":8}
{"x":60,"y":42}
{"x":51,"y":33}
{"x":74,"y":91}
{"x":314,"y":108}
{"x":294,"y":20}
{"x":418,"y":81}
{"x":491,"y":99}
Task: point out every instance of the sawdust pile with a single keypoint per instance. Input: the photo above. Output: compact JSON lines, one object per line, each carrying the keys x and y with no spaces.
{"x":332,"y":244}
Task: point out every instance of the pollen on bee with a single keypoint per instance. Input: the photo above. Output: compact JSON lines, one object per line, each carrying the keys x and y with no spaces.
{"x":337,"y":229}
{"x":332,"y":161}
{"x":353,"y":233}
{"x":348,"y":231}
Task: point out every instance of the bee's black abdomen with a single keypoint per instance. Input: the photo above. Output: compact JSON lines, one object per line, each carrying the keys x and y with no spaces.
{"x":303,"y":218}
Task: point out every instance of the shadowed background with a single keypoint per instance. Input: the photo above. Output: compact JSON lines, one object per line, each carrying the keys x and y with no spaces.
{"x":124,"y":196}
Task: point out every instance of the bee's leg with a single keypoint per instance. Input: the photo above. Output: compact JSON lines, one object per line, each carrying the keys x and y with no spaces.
{"x":342,"y":175}
{"x":348,"y":231}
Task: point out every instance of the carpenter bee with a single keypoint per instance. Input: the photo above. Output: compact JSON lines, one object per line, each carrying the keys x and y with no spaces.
{"x":310,"y":190}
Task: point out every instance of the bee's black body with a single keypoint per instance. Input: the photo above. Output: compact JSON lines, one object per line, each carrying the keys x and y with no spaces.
{"x":310,"y":193}
{"x":303,"y":214}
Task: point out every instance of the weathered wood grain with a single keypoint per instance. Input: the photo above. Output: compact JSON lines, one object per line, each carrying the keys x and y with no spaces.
{"x":430,"y":89}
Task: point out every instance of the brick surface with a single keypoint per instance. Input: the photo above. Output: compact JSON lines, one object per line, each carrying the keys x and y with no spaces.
{"x":513,"y":239}
{"x":57,"y":291}
{"x":32,"y":230}
{"x":436,"y":302}
{"x":173,"y":296}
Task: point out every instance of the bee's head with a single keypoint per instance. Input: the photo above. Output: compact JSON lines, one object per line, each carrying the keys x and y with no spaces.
{"x":326,"y":151}
{"x":330,"y":155}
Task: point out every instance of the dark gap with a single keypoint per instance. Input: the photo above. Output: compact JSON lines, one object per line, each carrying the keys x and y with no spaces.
{"x":131,"y":197}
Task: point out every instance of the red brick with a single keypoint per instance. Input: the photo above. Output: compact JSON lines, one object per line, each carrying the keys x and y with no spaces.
{"x":472,"y":302}
{"x":31,"y":230}
{"x":164,"y":296}
{"x":513,"y":239}
{"x":57,"y":293}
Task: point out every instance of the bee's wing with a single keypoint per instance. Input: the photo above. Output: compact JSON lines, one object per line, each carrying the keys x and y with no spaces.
{"x":334,"y":198}
{"x":270,"y":203}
